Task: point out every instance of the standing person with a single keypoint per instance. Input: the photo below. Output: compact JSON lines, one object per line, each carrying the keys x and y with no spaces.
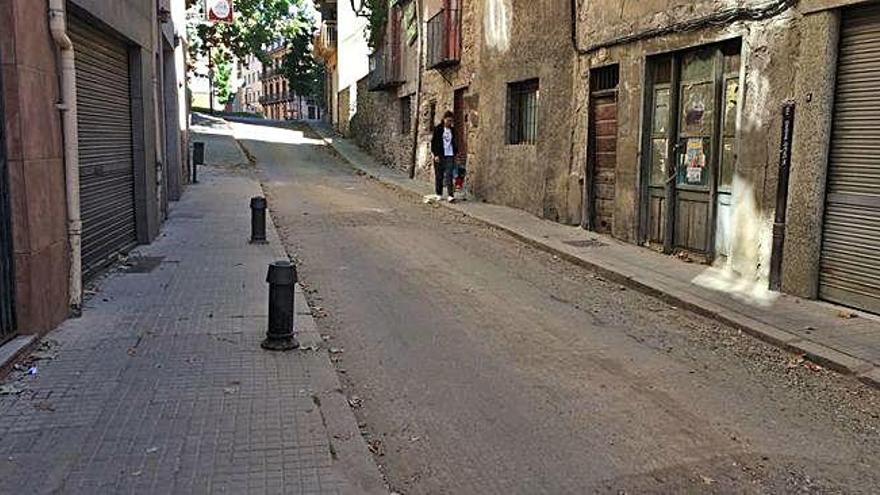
{"x":444,"y":149}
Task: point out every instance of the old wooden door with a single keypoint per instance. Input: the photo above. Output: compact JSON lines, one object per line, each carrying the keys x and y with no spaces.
{"x":693,"y":104}
{"x":601,"y":173}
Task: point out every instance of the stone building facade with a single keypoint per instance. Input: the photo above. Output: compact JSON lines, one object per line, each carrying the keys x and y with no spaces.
{"x":660,"y":123}
{"x":130,"y":149}
{"x":250,"y":90}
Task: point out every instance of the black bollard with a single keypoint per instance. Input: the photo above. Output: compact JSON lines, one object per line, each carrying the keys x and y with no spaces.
{"x":282,"y":279}
{"x":198,"y":158}
{"x":258,"y":220}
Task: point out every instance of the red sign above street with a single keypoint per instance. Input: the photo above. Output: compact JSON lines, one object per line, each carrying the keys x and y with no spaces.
{"x":219,"y":10}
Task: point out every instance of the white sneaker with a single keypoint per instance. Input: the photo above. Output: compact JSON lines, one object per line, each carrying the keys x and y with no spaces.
{"x":450,"y":199}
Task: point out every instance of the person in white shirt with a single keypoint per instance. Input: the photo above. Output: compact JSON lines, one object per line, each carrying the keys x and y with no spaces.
{"x":444,"y":148}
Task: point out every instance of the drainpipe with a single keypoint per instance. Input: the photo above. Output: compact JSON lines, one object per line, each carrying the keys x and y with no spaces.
{"x":58,"y":28}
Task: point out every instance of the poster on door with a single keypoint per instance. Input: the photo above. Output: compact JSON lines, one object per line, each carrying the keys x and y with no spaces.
{"x":695,"y":161}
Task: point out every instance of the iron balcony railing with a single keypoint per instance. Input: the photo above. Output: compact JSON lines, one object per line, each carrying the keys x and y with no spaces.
{"x":329,"y":36}
{"x":385,"y":71}
{"x":278,"y":97}
{"x":444,"y":38}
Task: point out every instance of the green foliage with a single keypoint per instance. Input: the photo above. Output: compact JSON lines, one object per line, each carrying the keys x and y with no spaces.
{"x":304,"y":73}
{"x":223,"y":80}
{"x":376,"y":12}
{"x":257,"y":23}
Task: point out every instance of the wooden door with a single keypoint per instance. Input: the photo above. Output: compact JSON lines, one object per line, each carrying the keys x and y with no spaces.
{"x":691,"y":141}
{"x":460,"y":129}
{"x":601,"y":176}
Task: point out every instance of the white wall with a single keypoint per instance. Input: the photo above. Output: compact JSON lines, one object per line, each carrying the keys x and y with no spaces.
{"x":352,"y":51}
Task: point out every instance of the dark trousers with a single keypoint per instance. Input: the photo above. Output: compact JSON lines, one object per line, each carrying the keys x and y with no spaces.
{"x":443,"y":175}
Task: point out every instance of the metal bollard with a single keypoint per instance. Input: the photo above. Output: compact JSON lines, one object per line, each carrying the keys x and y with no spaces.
{"x":258,"y":220}
{"x":198,"y":158}
{"x":282,"y":279}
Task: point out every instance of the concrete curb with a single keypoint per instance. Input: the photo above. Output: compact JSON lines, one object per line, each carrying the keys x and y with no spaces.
{"x":818,"y":353}
{"x":353,"y":459}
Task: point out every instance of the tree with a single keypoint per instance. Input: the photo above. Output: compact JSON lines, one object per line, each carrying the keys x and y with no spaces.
{"x":304,"y":73}
{"x":223,"y":80}
{"x":257,"y":23}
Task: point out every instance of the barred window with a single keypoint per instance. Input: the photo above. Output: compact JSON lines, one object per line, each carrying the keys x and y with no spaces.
{"x":522,"y":112}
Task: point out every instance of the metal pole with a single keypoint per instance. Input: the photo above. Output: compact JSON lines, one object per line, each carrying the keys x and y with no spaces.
{"x":782,"y":195}
{"x":198,"y":159}
{"x":282,"y":280}
{"x":210,"y":80}
{"x":258,"y":220}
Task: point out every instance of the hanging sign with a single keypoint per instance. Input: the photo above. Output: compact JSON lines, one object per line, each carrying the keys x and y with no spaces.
{"x":219,"y":10}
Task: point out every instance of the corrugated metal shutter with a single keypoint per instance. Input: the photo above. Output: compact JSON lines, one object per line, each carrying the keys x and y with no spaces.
{"x":850,"y":266}
{"x":105,"y":146}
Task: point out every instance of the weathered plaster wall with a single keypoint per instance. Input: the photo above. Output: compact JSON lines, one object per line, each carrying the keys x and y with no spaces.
{"x":517,"y":44}
{"x":814,"y":95}
{"x":770,"y":50}
{"x":603,"y":20}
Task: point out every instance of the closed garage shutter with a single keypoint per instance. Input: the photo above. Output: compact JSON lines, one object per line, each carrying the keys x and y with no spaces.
{"x":105,"y":147}
{"x":850,"y":265}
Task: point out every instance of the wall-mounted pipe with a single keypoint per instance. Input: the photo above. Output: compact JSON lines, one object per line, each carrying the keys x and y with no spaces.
{"x":58,"y":28}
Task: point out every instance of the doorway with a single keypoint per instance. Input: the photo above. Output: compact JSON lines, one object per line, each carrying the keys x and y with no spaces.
{"x":601,"y":172}
{"x":7,"y":275}
{"x":691,"y":135}
{"x":460,"y":116}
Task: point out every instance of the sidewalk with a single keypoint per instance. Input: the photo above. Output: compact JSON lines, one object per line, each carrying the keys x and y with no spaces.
{"x":838,"y":338}
{"x":162,"y":387}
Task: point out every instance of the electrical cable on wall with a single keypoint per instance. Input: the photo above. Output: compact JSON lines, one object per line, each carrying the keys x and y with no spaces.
{"x":720,"y":18}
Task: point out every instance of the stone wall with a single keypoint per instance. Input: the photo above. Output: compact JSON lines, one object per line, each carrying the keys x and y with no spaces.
{"x":35,"y":162}
{"x":343,"y":101}
{"x":377,"y":127}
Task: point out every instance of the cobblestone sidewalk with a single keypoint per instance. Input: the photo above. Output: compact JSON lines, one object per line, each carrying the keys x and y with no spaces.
{"x":161,"y":385}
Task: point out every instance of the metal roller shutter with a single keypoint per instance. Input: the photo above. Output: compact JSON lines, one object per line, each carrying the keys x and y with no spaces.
{"x":105,"y":146}
{"x":850,"y":262}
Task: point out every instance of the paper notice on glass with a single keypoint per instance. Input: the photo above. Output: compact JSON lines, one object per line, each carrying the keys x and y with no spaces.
{"x":695,"y":161}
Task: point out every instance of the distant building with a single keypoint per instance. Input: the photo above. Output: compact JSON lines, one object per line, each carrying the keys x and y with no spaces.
{"x":250,"y":87}
{"x":279,"y":101}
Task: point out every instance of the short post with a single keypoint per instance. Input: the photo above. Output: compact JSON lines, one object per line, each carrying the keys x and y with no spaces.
{"x":258,"y":220}
{"x":282,"y":279}
{"x":198,"y":158}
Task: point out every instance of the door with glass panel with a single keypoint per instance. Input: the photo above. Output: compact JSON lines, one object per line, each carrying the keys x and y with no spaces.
{"x":693,"y":102}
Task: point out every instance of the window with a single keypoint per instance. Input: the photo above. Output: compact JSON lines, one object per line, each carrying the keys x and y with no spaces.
{"x":522,"y":112}
{"x":405,"y":114}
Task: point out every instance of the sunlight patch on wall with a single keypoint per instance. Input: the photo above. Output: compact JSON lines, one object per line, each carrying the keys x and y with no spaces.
{"x":744,"y":275}
{"x":497,"y":21}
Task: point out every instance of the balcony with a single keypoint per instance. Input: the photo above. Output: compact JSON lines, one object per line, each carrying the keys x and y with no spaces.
{"x":385,"y":71}
{"x":326,"y":41}
{"x":329,"y":34}
{"x":444,"y":39}
{"x":281,"y":97}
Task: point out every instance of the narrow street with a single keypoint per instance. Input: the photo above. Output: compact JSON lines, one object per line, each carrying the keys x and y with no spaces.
{"x":480,"y":365}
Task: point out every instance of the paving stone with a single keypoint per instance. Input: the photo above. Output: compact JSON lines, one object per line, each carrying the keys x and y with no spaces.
{"x":161,"y":386}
